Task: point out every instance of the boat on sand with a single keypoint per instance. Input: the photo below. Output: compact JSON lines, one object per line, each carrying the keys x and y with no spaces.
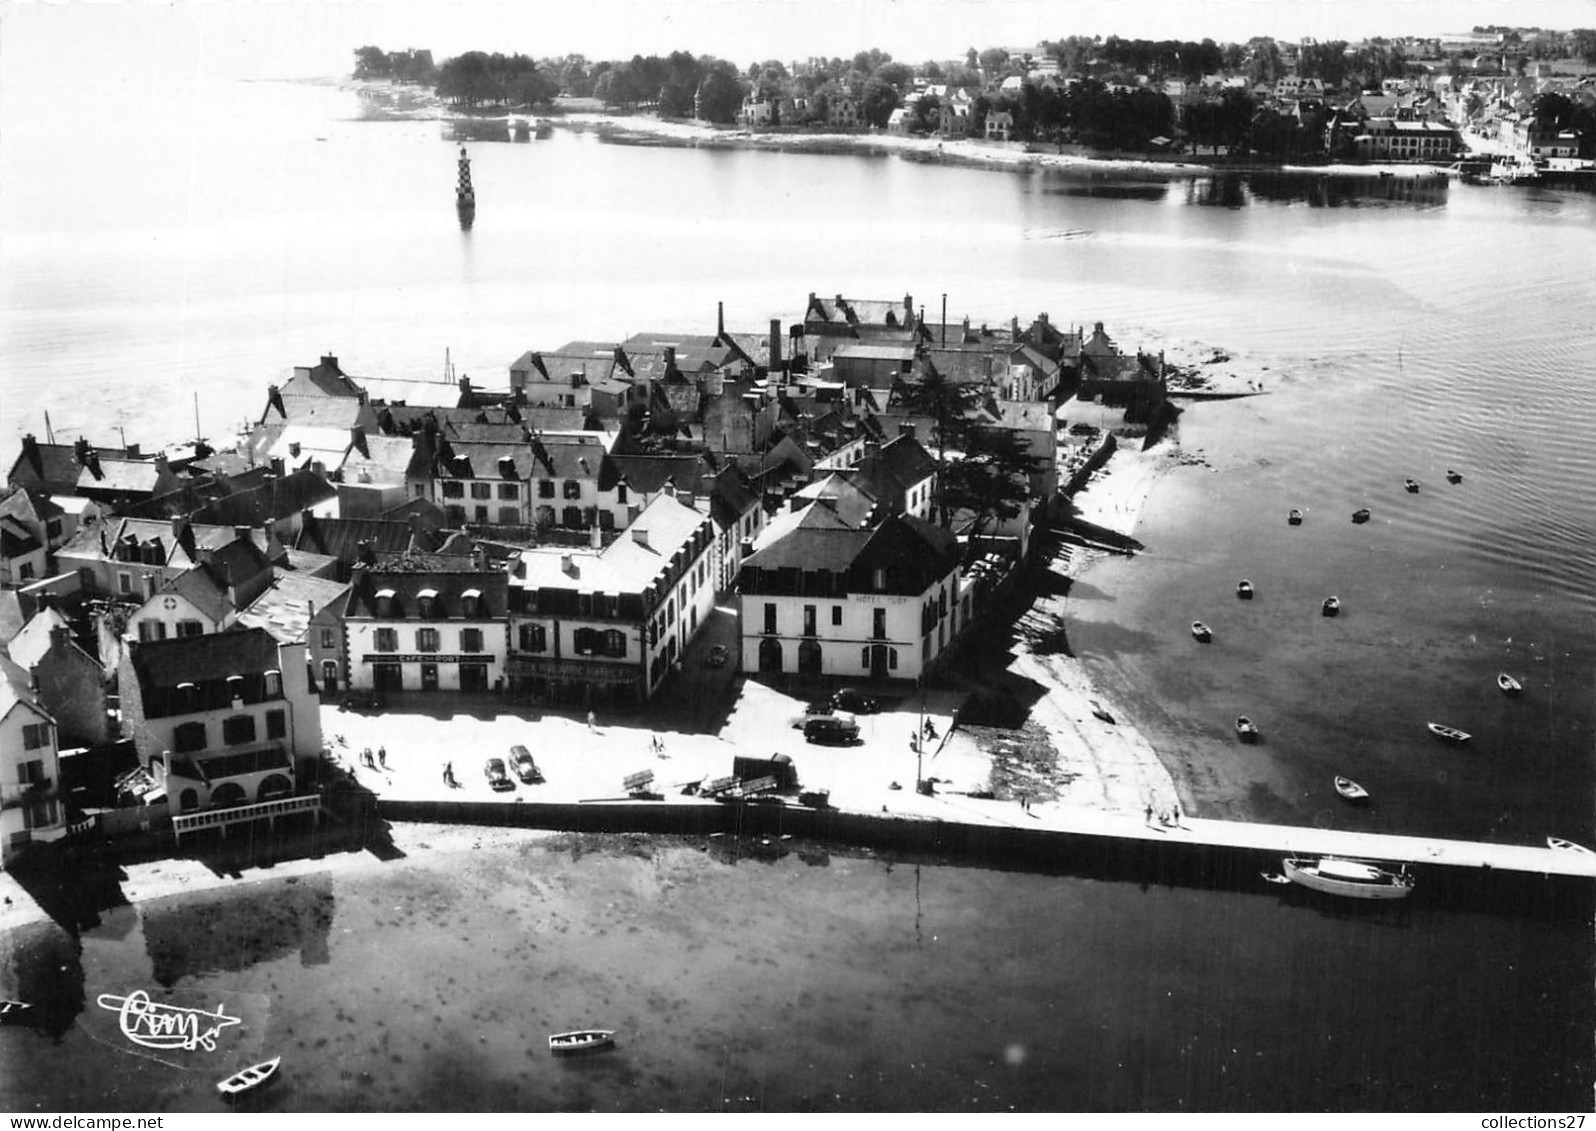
{"x":1246,"y":729}
{"x":1361,"y":515}
{"x":1201,"y":632}
{"x":1244,"y":589}
{"x":581,"y":1040}
{"x":1508,"y":684}
{"x":1446,"y":733}
{"x":1331,"y":606}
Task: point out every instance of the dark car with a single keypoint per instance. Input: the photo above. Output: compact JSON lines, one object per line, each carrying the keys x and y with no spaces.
{"x":523,"y":765}
{"x":852,"y":699}
{"x":718,"y":655}
{"x":829,"y":730}
{"x":498,"y":777}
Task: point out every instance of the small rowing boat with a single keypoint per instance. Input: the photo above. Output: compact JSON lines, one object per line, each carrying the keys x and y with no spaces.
{"x":1201,"y":632}
{"x":1331,"y":606}
{"x":1453,"y":477}
{"x":1508,"y":684}
{"x":13,"y":1012}
{"x":1274,"y":878}
{"x":1411,"y":486}
{"x":1562,"y":845}
{"x":581,"y":1040}
{"x":1246,"y":729}
{"x":248,"y":1079}
{"x":1295,"y":517}
{"x":1350,"y":789}
{"x":1361,"y":515}
{"x":1447,"y":734}
{"x":1244,"y":589}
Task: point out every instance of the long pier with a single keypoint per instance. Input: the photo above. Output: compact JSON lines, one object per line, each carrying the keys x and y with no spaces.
{"x":987,"y":828}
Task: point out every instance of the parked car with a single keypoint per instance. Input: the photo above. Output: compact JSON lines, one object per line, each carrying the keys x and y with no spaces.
{"x":523,"y":765}
{"x":852,"y":699}
{"x":831,"y":730}
{"x":718,"y":655}
{"x":498,"y":777}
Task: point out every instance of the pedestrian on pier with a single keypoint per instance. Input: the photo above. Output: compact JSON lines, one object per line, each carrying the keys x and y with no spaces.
{"x":1174,"y":814}
{"x":1148,"y":813}
{"x":382,"y":757}
{"x":592,"y":722}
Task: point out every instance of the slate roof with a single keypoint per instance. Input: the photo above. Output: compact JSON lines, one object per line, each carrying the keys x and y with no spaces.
{"x":203,"y":588}
{"x":341,"y":537}
{"x":858,"y":311}
{"x":276,"y":498}
{"x":54,"y":468}
{"x":650,"y":473}
{"x":625,"y":565}
{"x":285,"y":608}
{"x":406,"y":585}
{"x":324,"y":378}
{"x":195,"y":659}
{"x":569,"y":456}
{"x":29,"y":645}
{"x":815,"y":538}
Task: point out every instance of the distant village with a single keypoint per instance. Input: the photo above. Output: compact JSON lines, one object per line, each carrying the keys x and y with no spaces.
{"x":860,"y":484}
{"x":1523,"y":95}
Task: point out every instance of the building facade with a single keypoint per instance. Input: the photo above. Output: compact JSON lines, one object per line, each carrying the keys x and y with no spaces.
{"x":426,"y":627}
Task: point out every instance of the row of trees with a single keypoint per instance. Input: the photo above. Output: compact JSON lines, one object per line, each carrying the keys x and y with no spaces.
{"x":477,"y":78}
{"x":411,"y":65}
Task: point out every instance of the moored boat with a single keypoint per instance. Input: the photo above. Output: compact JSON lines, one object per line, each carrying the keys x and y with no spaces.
{"x":248,"y":1079}
{"x":1201,"y":632}
{"x":1295,"y":517}
{"x":1562,"y":845}
{"x":1350,"y":789}
{"x":1246,"y":729}
{"x":1453,"y":477}
{"x":12,"y":1012}
{"x":1331,"y":606}
{"x":1361,"y":515}
{"x":1411,"y":486}
{"x":1446,"y":733}
{"x":1508,"y":684}
{"x":1273,"y":878}
{"x":581,"y":1040}
{"x":1356,"y":879}
{"x":1244,"y":589}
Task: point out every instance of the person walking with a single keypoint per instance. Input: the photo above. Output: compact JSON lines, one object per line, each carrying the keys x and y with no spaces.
{"x":382,"y":757}
{"x":592,"y":722}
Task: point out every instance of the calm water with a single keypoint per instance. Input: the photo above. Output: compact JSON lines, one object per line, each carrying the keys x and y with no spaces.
{"x":203,"y":239}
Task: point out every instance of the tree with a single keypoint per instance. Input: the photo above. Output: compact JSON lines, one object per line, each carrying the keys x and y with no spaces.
{"x":878,"y":102}
{"x":371,"y":63}
{"x":720,"y":95}
{"x":991,"y":481}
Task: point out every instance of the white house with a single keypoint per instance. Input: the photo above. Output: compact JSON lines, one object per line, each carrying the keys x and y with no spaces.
{"x":30,"y":775}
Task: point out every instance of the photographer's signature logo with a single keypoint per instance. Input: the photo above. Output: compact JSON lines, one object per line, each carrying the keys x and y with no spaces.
{"x":158,"y":1026}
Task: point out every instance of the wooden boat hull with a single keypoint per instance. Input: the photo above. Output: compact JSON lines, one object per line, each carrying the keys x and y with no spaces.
{"x":581,"y":1041}
{"x":1244,"y":590}
{"x":1246,"y":729}
{"x":1351,"y":790}
{"x":1294,"y":518}
{"x":1447,"y":734}
{"x":1509,"y":685}
{"x":1382,"y":885}
{"x":248,"y":1079}
{"x":14,"y":1012}
{"x":1360,"y":516}
{"x":1331,"y":607}
{"x":1562,"y":845}
{"x":1201,"y":632}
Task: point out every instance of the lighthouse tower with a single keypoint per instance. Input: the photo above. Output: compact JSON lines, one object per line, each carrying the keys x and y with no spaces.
{"x":464,"y":195}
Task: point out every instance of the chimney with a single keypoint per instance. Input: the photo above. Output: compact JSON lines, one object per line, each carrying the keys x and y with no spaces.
{"x":670,"y":358}
{"x":367,"y":553}
{"x":278,"y":468}
{"x":60,"y":636}
{"x":132,"y":451}
{"x":568,"y":566}
{"x":669,"y":489}
{"x":906,"y":428}
{"x":274,"y":399}
{"x":293,"y":449}
{"x":595,"y":537}
{"x":640,"y":535}
{"x":775,"y":345}
{"x":479,"y":558}
{"x":30,"y":452}
{"x":1014,"y":327}
{"x":720,"y":319}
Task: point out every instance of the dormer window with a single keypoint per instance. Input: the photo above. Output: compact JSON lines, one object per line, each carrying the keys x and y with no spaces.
{"x":235,"y":688}
{"x":471,"y":603}
{"x":427,"y":602}
{"x":385,"y":603}
{"x":187,"y":697}
{"x":274,"y":684}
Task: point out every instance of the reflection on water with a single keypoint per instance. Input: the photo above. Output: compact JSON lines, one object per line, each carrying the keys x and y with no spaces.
{"x":191,"y":935}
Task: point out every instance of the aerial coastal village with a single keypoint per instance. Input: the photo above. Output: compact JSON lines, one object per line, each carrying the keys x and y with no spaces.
{"x":682,"y":537}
